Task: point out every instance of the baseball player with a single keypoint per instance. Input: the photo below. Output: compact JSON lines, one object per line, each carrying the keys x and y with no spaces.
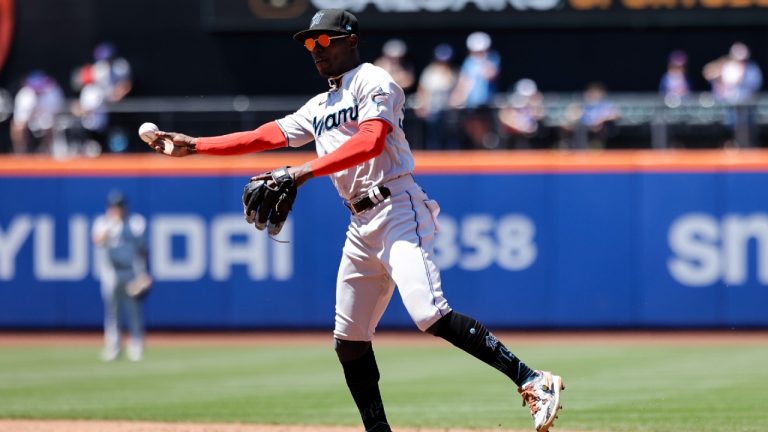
{"x":121,"y":257}
{"x":357,"y":128}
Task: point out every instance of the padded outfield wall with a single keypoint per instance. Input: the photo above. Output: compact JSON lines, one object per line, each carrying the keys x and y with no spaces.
{"x":539,"y":239}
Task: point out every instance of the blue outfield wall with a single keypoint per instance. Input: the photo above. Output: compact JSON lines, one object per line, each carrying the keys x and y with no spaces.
{"x":598,"y":250}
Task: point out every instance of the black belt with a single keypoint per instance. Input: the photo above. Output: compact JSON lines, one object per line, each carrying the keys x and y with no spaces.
{"x":374,"y":197}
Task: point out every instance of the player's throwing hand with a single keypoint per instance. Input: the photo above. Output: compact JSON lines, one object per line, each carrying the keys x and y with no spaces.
{"x":173,"y":144}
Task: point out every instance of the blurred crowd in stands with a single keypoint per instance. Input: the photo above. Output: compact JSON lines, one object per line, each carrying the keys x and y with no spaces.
{"x":37,"y":123}
{"x":461,"y":107}
{"x":454,"y":103}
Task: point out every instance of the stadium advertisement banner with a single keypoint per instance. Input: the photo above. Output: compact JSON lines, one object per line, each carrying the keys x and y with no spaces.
{"x":290,"y":15}
{"x":592,"y":250}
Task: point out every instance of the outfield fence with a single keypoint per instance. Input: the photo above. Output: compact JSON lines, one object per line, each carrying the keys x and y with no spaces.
{"x":623,"y":239}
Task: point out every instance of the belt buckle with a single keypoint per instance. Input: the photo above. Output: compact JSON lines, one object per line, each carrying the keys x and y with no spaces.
{"x":351,"y":205}
{"x":373,"y":197}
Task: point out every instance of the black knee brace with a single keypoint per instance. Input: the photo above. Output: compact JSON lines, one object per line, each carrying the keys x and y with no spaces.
{"x":434,"y":328}
{"x":351,"y":350}
{"x":358,"y":361}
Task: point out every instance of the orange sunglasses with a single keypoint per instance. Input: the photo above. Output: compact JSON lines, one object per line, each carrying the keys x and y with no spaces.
{"x":324,"y":40}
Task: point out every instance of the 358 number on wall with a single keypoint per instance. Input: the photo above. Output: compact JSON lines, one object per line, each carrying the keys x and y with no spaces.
{"x":478,"y":241}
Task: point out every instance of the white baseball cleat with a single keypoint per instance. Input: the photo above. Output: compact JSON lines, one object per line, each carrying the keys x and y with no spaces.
{"x":109,"y":354}
{"x":542,"y":394}
{"x":135,"y":351}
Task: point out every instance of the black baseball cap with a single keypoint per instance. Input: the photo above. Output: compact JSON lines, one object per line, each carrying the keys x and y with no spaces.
{"x":329,"y":20}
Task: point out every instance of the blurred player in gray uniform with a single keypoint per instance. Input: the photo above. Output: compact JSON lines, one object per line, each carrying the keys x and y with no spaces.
{"x":121,"y":257}
{"x":357,"y":128}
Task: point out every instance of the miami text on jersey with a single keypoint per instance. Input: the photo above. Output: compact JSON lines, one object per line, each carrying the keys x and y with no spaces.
{"x":334,"y":120}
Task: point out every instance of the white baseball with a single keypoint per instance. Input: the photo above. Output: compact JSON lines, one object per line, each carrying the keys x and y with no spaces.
{"x":147,"y":132}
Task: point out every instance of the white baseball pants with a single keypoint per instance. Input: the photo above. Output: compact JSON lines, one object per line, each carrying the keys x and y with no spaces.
{"x":390,"y":245}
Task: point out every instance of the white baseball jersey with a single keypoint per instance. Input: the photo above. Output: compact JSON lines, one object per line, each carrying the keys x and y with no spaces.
{"x":331,"y":118}
{"x":390,"y":244}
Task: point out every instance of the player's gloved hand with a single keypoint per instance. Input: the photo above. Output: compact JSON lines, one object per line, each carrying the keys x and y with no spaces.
{"x":299,"y":174}
{"x":173,"y":144}
{"x":268,"y":198}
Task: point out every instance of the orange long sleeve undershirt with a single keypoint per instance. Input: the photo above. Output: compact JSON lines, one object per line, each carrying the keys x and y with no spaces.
{"x":367,"y":143}
{"x":266,"y":137}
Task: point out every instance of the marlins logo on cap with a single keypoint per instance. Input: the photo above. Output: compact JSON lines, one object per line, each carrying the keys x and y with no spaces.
{"x":334,"y":21}
{"x":316,"y":19}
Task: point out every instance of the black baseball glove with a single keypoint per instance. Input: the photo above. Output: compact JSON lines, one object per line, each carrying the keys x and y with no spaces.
{"x":268,"y":198}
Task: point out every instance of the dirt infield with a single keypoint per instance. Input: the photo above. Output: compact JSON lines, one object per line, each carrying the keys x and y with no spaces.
{"x":120,"y":426}
{"x":126,"y":426}
{"x":719,"y":337}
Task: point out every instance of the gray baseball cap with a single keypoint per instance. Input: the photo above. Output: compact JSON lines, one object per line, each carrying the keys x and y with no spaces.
{"x":329,"y":20}
{"x":116,"y":199}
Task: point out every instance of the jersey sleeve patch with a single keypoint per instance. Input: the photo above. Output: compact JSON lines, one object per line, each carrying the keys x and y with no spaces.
{"x":379,"y":97}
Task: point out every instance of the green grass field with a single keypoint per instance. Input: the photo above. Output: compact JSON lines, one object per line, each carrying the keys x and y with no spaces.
{"x":609,"y":388}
